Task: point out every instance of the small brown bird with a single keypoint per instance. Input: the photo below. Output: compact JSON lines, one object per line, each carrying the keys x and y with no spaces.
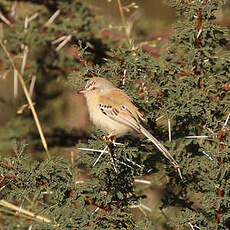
{"x":112,"y":111}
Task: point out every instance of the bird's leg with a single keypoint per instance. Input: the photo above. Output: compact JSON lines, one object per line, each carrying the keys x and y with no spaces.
{"x":110,"y":139}
{"x":111,"y":145}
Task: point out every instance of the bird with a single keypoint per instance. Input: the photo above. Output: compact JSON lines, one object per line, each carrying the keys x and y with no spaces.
{"x":111,"y":110}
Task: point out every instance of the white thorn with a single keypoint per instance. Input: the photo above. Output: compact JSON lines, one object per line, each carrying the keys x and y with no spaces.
{"x":145,"y":207}
{"x":179,"y":172}
{"x":207,"y":155}
{"x":196,"y":137}
{"x":134,"y":163}
{"x":199,"y":33}
{"x":52,"y":18}
{"x":33,"y":17}
{"x":13,"y":9}
{"x":103,"y":151}
{"x":4,"y":19}
{"x":192,"y":226}
{"x":123,"y":163}
{"x":47,"y":192}
{"x":141,"y":206}
{"x":226,"y":121}
{"x":95,"y":210}
{"x":115,"y":169}
{"x":59,"y":39}
{"x":32,"y":84}
{"x":26,"y":50}
{"x":79,"y":182}
{"x":157,"y":119}
{"x":142,"y":181}
{"x":26,"y":23}
{"x":67,"y":39}
{"x":15,"y":83}
{"x":20,"y":208}
{"x":123,"y":81}
{"x":93,"y":150}
{"x":116,"y":143}
{"x":169,"y":130}
{"x":2,"y":187}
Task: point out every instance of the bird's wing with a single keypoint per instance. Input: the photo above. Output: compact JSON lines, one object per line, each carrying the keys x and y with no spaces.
{"x":118,"y":106}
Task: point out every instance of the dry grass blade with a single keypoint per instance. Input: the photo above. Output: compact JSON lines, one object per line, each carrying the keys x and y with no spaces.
{"x":4,"y":19}
{"x":121,"y":13}
{"x":22,"y":82}
{"x":8,"y":205}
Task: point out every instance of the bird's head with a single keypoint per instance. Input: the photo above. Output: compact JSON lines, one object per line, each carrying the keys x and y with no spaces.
{"x":97,"y":85}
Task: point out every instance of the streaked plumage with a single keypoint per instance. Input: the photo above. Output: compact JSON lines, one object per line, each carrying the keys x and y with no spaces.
{"x":112,"y":111}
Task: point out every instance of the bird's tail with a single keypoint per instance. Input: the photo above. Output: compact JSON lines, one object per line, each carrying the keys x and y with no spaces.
{"x":165,"y":152}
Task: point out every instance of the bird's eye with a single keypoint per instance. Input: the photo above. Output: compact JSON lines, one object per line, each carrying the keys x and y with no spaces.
{"x":89,"y":84}
{"x":93,"y":88}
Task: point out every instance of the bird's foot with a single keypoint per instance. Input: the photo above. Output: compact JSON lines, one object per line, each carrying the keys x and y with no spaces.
{"x":110,"y":139}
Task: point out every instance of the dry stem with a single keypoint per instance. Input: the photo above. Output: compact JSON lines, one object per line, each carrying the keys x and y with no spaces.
{"x":28,"y":99}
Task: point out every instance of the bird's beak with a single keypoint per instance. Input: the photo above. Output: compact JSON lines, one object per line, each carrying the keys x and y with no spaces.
{"x":82,"y":91}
